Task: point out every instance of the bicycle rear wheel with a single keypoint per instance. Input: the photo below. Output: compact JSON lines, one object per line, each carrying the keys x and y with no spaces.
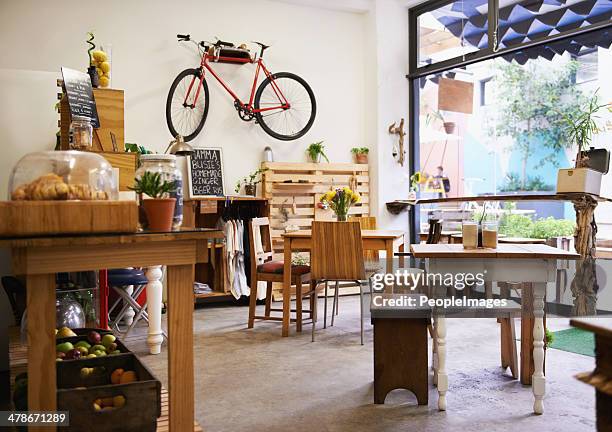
{"x":285,"y":124}
{"x":185,"y":115}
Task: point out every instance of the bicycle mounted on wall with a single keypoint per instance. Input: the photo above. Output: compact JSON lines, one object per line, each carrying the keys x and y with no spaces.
{"x":283,"y":105}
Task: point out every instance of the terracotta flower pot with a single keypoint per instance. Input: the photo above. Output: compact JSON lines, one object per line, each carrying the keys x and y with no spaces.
{"x":160,"y":213}
{"x":449,"y":127}
{"x":361,"y":158}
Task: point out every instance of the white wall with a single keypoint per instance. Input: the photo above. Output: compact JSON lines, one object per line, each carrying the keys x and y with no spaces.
{"x":388,"y":90}
{"x":323,"y":46}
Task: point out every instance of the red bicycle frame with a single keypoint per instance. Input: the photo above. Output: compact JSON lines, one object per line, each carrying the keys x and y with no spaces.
{"x":204,"y":64}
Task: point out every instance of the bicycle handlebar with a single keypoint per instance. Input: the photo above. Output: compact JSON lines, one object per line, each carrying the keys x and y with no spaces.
{"x":182,"y":37}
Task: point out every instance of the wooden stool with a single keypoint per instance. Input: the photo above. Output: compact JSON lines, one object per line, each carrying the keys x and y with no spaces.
{"x":400,"y":357}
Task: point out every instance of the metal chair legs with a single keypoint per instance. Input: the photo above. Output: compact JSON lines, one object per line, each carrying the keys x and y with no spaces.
{"x":335,"y":304}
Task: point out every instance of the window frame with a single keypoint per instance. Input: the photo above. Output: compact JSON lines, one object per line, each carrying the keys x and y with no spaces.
{"x":490,"y":52}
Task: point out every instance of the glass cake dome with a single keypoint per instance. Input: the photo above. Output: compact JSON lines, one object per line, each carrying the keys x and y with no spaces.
{"x":62,"y":175}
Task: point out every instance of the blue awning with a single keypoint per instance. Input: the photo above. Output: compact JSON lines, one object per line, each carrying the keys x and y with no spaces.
{"x":528,"y":20}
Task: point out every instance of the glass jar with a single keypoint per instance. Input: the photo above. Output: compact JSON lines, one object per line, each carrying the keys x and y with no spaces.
{"x":62,"y":175}
{"x":469,"y":231}
{"x":489,"y":235}
{"x":82,"y":133}
{"x":164,"y":164}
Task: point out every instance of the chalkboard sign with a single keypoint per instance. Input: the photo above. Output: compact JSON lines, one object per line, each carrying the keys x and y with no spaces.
{"x":206,"y":173}
{"x":77,"y":86}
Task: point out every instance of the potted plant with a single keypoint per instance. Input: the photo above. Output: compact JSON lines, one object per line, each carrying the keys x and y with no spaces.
{"x":154,"y":197}
{"x":340,"y":201}
{"x":250,"y":182}
{"x":361,"y":154}
{"x":449,"y":127}
{"x":315,"y":151}
{"x":581,"y":127}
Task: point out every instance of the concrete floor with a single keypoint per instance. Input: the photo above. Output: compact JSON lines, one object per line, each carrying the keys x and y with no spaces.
{"x":254,"y":380}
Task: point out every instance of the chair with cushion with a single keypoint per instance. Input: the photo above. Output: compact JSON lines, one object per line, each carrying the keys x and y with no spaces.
{"x":265,"y":268}
{"x":337,"y":254}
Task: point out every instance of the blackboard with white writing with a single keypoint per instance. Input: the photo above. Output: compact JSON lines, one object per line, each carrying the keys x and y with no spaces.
{"x":206,"y":173}
{"x":77,"y":86}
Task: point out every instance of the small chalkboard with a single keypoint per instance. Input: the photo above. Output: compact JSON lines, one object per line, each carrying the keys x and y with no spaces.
{"x":77,"y":86}
{"x":206,"y":173}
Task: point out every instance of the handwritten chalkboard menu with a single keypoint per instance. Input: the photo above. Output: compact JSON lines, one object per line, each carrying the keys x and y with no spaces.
{"x":206,"y":173}
{"x":77,"y":86}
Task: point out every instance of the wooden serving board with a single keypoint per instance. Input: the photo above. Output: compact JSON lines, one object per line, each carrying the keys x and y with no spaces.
{"x":28,"y":218}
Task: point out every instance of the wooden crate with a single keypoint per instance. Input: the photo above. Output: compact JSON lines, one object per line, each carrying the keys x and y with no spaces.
{"x":26,"y":218}
{"x":110,"y":106}
{"x":294,"y":190}
{"x":76,"y":394}
{"x":18,"y":361}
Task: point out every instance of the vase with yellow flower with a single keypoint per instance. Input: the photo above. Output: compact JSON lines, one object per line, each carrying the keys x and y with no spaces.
{"x":340,"y":201}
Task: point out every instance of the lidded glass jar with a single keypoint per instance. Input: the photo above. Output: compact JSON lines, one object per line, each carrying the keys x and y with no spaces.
{"x":82,"y":133}
{"x":165,"y":164}
{"x":62,"y":175}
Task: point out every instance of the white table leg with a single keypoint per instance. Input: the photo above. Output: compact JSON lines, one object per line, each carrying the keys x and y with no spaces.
{"x":440,"y":374}
{"x":538,"y":378}
{"x":154,"y":307}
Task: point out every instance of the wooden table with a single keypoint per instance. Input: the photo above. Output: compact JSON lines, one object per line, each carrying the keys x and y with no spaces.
{"x":601,"y":377}
{"x":527,"y":263}
{"x":387,"y":240}
{"x":39,"y":258}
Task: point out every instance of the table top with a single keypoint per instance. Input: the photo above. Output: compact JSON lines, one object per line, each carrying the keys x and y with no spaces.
{"x":365,"y":234}
{"x":507,"y":251}
{"x":111,"y":238}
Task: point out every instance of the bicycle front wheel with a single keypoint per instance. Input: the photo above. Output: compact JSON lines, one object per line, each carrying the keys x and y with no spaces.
{"x":186,"y":107}
{"x":285,"y":123}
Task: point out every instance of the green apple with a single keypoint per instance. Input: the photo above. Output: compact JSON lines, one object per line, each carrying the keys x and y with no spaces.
{"x":95,"y":348}
{"x":108,"y":339}
{"x":64,"y":347}
{"x":100,"y":353}
{"x":82,"y":343}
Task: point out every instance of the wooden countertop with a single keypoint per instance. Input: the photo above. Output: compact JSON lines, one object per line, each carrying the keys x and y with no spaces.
{"x":509,"y":251}
{"x":102,"y":239}
{"x":370,"y":234}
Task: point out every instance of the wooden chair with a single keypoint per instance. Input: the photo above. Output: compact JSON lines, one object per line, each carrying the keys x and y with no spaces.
{"x":264,"y":268}
{"x":337,"y":254}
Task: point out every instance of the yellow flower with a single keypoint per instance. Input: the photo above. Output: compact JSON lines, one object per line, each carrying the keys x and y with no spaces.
{"x":356,"y":197}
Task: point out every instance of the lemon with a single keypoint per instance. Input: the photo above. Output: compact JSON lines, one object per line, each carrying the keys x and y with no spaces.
{"x":105,"y":66}
{"x":100,"y":72}
{"x":100,"y":56}
{"x":104,"y":81}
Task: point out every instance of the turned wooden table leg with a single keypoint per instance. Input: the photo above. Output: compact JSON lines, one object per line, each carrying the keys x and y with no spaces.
{"x":154,"y":307}
{"x":538,"y":380}
{"x":441,"y":375}
{"x":41,"y":345}
{"x":180,"y":347}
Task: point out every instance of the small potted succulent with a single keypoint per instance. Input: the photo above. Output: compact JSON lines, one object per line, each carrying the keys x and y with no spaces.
{"x":250,"y":182}
{"x":315,"y":151}
{"x":154,"y":194}
{"x":361,"y":154}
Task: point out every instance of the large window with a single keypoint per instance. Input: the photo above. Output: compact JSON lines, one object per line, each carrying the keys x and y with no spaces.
{"x":489,"y":116}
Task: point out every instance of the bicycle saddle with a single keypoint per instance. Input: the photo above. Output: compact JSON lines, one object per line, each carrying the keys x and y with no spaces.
{"x":263,"y":46}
